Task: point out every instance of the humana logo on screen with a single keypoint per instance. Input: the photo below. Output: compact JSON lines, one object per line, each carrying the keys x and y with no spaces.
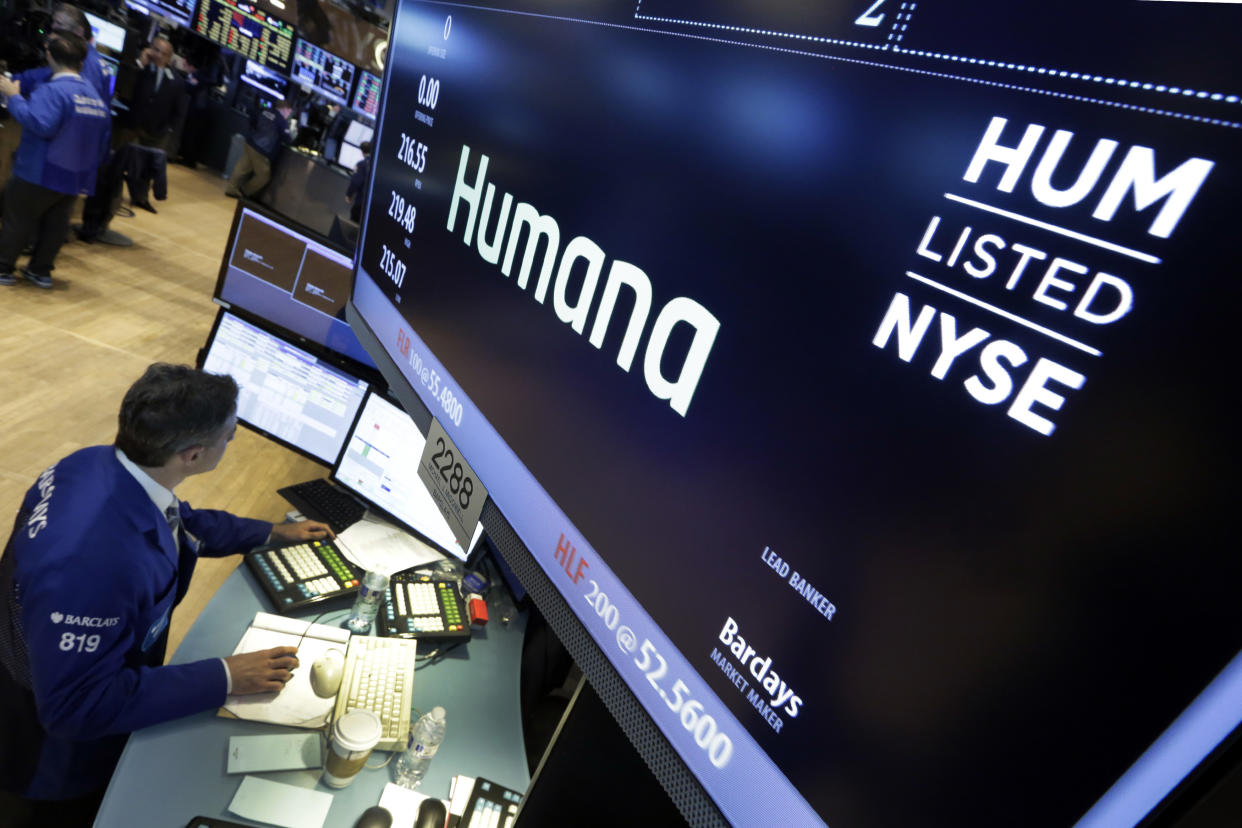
{"x":538,"y":229}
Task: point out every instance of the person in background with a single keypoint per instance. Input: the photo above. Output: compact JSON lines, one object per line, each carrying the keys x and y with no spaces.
{"x":69,"y":18}
{"x":64,"y":139}
{"x":356,"y":192}
{"x":156,"y":110}
{"x":101,"y":551}
{"x":271,"y":129}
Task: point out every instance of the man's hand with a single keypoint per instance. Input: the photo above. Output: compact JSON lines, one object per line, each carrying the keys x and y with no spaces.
{"x":9,"y":87}
{"x":300,"y":532}
{"x":265,"y":671}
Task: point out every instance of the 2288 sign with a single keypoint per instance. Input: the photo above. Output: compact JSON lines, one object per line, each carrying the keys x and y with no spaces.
{"x":453,"y":485}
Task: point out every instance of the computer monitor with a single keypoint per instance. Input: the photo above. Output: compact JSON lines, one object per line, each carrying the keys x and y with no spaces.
{"x":348,"y":156}
{"x":379,"y":465}
{"x":107,"y":34}
{"x":366,"y":94}
{"x":286,"y":393}
{"x":249,"y":30}
{"x":326,"y":74}
{"x":339,"y":29}
{"x":285,"y":274}
{"x":180,"y":12}
{"x":853,"y":380}
{"x":265,"y":80}
{"x":358,"y":133}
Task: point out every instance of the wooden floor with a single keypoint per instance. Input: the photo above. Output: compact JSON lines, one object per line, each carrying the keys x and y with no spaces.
{"x":70,"y":353}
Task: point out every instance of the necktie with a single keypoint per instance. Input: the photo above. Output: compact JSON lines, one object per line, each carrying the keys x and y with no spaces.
{"x":173,"y":515}
{"x":159,"y":75}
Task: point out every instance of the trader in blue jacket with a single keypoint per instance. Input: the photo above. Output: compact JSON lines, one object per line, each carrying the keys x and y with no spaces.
{"x":69,"y":18}
{"x":101,"y":552}
{"x":65,"y":128}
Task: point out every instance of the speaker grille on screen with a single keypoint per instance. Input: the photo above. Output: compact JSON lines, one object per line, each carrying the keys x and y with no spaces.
{"x":669,"y":769}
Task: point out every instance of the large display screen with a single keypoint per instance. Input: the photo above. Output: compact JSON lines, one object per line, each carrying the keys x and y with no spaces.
{"x":858,"y":376}
{"x":341,"y":31}
{"x":284,"y":275}
{"x":285,"y":392}
{"x":327,"y":74}
{"x":248,"y":30}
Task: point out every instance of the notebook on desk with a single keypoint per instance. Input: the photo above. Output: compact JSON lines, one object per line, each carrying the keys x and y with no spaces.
{"x":296,"y":705}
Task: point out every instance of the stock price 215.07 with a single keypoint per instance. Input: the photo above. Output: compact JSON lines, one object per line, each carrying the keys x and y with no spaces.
{"x":393,"y":267}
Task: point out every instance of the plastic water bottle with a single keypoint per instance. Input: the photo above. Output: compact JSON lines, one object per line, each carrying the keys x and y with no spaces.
{"x":367,"y":604}
{"x":425,"y":740}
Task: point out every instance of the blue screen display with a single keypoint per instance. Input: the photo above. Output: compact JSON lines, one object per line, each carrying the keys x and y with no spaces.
{"x":855,"y":375}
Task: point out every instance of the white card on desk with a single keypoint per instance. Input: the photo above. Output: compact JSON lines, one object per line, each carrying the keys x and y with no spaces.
{"x":403,"y":804}
{"x":279,"y":804}
{"x":256,"y":754}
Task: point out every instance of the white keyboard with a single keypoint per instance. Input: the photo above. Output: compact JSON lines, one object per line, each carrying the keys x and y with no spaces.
{"x":379,"y":676}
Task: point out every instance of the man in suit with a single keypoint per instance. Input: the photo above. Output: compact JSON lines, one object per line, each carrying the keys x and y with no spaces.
{"x":156,"y":110}
{"x":101,"y":552}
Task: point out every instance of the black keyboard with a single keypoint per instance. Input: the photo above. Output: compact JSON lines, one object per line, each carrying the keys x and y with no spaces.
{"x":425,"y":606}
{"x":304,"y":574}
{"x":320,"y":500}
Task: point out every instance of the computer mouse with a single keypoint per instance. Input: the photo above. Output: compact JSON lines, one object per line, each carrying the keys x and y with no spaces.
{"x":326,"y":672}
{"x":374,"y":817}
{"x":431,"y":814}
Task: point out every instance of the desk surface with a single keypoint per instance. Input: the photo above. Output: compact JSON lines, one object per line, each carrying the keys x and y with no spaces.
{"x":173,"y":772}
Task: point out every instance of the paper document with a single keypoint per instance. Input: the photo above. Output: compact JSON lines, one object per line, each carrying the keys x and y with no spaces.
{"x":296,"y":705}
{"x":375,"y":545}
{"x":279,"y":804}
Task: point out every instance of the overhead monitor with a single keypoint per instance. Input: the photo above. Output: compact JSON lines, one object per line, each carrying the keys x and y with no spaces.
{"x":107,"y":34}
{"x":286,"y":392}
{"x":854,"y":381}
{"x":248,"y":30}
{"x":338,"y":29}
{"x":380,"y":466}
{"x":265,"y":80}
{"x":286,"y":275}
{"x":326,"y":74}
{"x":349,"y":156}
{"x":180,"y":12}
{"x":358,"y":133}
{"x":366,"y":94}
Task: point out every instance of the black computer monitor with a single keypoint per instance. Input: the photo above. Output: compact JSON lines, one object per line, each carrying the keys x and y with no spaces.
{"x":853,"y":379}
{"x":322,"y":72}
{"x":108,"y":35}
{"x":180,"y":12}
{"x":379,"y":465}
{"x":365,"y":100}
{"x":248,"y":30}
{"x":265,"y":80}
{"x":283,"y":273}
{"x":295,"y":397}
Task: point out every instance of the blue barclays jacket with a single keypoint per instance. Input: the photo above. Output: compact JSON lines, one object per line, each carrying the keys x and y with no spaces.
{"x":65,"y":130}
{"x":87,"y":587}
{"x":92,"y":73}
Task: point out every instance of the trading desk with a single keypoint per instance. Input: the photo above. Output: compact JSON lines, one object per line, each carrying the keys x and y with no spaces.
{"x":173,"y":772}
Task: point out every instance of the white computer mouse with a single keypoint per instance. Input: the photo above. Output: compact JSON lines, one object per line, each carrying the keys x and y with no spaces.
{"x":325,"y":675}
